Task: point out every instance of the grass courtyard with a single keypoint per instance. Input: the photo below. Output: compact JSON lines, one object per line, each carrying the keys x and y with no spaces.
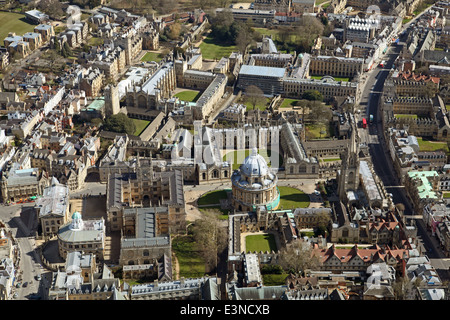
{"x":237,"y":157}
{"x":289,"y":103}
{"x":151,"y":56}
{"x":188,"y":95}
{"x":140,"y":126}
{"x":214,"y":49}
{"x":346,"y":79}
{"x":190,"y":263}
{"x":13,"y":22}
{"x":260,"y":242}
{"x":212,"y":198}
{"x":428,"y":145}
{"x":316,"y":131}
{"x":291,"y":198}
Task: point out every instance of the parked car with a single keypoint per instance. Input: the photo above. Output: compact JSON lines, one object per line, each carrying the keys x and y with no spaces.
{"x":25,"y":285}
{"x":38,"y":277}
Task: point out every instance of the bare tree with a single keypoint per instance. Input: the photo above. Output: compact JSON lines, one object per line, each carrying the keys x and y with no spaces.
{"x":254,"y":96}
{"x":298,"y":257}
{"x":211,"y":238}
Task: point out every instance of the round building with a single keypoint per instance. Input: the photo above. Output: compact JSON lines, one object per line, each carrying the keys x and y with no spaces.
{"x":254,"y":185}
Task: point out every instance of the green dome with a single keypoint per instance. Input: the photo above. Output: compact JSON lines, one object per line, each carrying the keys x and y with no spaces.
{"x":76,"y":215}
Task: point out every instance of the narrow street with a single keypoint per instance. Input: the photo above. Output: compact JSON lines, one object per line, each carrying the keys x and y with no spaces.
{"x":383,"y":164}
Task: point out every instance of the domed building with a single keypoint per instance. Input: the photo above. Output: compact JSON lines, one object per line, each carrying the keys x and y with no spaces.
{"x":82,"y":235}
{"x":254,"y":185}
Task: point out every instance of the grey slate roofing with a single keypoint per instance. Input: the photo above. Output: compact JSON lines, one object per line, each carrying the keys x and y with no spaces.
{"x":93,"y":230}
{"x":149,"y":288}
{"x":54,"y":200}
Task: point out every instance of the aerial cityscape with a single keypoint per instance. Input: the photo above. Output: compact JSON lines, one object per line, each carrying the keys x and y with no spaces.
{"x":224,"y":150}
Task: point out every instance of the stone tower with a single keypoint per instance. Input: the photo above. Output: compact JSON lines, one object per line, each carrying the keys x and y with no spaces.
{"x":349,"y":174}
{"x":112,"y":103}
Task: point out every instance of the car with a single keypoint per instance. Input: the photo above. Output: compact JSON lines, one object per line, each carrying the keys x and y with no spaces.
{"x":18,"y":284}
{"x":38,"y":277}
{"x":316,"y":192}
{"x":25,"y":284}
{"x":15,"y":295}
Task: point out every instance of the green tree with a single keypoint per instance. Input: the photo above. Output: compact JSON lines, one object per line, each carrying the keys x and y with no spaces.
{"x":312,"y":95}
{"x":120,"y":123}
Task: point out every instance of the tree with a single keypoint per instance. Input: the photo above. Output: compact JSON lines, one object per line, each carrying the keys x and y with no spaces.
{"x":51,"y":7}
{"x":307,"y":30}
{"x":244,"y":36}
{"x":298,"y":257}
{"x":120,"y":123}
{"x":174,"y":31}
{"x":430,"y":89}
{"x":312,"y":95}
{"x":404,"y":288}
{"x":66,"y":51}
{"x":323,"y":220}
{"x":211,"y":239}
{"x":254,"y":96}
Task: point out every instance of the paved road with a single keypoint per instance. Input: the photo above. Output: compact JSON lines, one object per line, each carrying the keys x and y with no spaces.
{"x":383,"y":165}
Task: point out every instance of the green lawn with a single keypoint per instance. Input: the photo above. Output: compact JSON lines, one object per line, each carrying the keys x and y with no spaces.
{"x":214,"y":49}
{"x":288,"y":103}
{"x":140,"y":126}
{"x":212,"y":197}
{"x":427,"y":145}
{"x":406,"y":20}
{"x":331,"y":159}
{"x":260,"y":106}
{"x":274,"y":33}
{"x":260,"y":242}
{"x":152,"y":56}
{"x":13,"y":22}
{"x":346,"y":79}
{"x":291,"y":198}
{"x":314,"y":131}
{"x":94,"y":41}
{"x":188,"y":95}
{"x":414,"y":116}
{"x":190,"y":262}
{"x":222,"y":214}
{"x":237,"y":157}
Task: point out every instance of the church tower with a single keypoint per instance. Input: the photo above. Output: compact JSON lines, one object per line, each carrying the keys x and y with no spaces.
{"x":112,"y":103}
{"x":349,"y":173}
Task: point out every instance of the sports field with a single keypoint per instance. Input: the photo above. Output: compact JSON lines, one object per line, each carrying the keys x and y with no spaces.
{"x":13,"y":22}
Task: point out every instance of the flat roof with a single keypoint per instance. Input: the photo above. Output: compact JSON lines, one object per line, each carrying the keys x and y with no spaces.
{"x":262,"y":71}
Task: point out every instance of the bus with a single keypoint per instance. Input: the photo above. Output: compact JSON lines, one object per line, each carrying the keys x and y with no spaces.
{"x":364,"y":123}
